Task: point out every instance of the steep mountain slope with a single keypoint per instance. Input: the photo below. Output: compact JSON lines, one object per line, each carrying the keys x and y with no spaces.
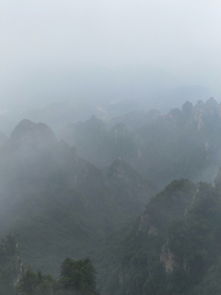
{"x":58,"y":204}
{"x":174,"y":248}
{"x":185,"y":143}
{"x":100,"y":143}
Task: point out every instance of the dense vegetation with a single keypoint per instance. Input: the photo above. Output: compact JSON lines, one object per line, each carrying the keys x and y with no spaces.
{"x":55,"y":204}
{"x":76,"y":277}
{"x":175,"y":246}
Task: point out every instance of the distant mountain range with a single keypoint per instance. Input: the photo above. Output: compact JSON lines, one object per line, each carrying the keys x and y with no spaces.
{"x":184,"y":143}
{"x":123,"y":192}
{"x":59,"y":204}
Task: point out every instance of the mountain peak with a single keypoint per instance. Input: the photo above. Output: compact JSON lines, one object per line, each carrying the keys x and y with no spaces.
{"x":33,"y":133}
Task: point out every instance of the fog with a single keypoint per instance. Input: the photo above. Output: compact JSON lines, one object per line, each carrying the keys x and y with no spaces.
{"x":110,"y":147}
{"x":158,"y":52}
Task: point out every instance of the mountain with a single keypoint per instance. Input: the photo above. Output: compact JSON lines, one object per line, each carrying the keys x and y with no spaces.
{"x":59,"y":204}
{"x":174,"y":247}
{"x":100,"y":143}
{"x":184,"y":143}
{"x":89,"y":195}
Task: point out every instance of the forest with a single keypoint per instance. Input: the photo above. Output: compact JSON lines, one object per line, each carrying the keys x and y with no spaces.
{"x":126,"y":206}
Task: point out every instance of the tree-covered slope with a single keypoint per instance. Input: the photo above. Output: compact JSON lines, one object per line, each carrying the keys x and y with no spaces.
{"x":58,"y":204}
{"x":174,"y":248}
{"x":184,"y":143}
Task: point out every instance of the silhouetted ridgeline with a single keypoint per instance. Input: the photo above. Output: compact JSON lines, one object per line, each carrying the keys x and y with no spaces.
{"x":96,"y":197}
{"x":185,"y":143}
{"x":173,"y":248}
{"x":58,"y":204}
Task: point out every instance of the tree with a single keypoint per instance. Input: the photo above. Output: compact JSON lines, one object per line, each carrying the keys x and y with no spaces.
{"x":78,"y":276}
{"x":32,"y":283}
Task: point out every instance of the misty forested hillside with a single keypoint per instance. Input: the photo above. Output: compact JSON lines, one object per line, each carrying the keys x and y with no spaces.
{"x":81,"y":213}
{"x":61,"y":204}
{"x":174,"y":247}
{"x":185,"y":143}
{"x":110,"y":147}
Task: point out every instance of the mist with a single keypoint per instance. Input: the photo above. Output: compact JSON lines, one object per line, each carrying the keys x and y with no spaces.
{"x":110,"y":147}
{"x":158,"y":52}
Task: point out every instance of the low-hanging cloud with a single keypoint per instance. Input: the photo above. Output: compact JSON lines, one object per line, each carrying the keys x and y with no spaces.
{"x":42,"y":42}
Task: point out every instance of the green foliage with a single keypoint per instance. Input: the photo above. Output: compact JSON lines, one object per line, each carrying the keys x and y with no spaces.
{"x":32,"y":283}
{"x":175,"y":246}
{"x":78,"y":276}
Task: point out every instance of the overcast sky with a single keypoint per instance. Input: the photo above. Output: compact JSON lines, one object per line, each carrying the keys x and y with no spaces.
{"x":40,"y":38}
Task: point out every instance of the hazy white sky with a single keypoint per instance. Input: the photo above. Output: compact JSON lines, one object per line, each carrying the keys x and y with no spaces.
{"x":180,"y":37}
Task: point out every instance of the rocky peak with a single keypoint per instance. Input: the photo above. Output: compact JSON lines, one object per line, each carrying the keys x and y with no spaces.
{"x":35,"y":134}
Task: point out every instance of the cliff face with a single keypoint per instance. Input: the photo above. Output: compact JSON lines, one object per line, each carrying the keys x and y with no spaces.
{"x":174,"y":246}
